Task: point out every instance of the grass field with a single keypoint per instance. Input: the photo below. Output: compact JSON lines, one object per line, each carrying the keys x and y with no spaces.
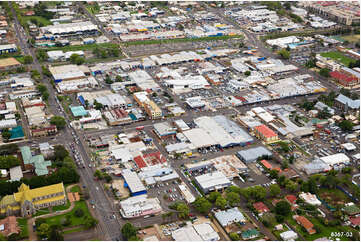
{"x":75,"y":189}
{"x":78,"y":229}
{"x":333,"y":196}
{"x":355,"y":38}
{"x":41,"y":212}
{"x":75,"y":221}
{"x":39,"y":19}
{"x":338,"y":56}
{"x":150,"y":42}
{"x":62,"y":207}
{"x":23,"y":224}
{"x":88,"y":47}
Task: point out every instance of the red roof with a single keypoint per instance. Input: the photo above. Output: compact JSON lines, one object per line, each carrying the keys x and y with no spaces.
{"x":265,"y":131}
{"x":341,"y":76}
{"x":139,"y":161}
{"x":305,"y":223}
{"x":355,"y":221}
{"x":291,"y":199}
{"x":266,"y":164}
{"x":261,"y":207}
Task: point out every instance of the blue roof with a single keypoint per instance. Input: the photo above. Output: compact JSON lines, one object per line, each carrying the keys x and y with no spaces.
{"x":353,"y":104}
{"x":81,"y":99}
{"x":17,"y":133}
{"x":78,"y":111}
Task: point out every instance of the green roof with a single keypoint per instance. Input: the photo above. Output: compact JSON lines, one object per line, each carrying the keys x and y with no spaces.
{"x":250,"y":233}
{"x":17,"y":133}
{"x":351,"y":210}
{"x":78,"y":111}
{"x":38,"y":161}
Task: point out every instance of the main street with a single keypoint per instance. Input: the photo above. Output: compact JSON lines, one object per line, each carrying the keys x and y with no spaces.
{"x":108,"y":229}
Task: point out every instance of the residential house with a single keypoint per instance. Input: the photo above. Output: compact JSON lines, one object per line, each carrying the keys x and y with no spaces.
{"x":305,"y":223}
{"x":261,"y":208}
{"x":9,"y":226}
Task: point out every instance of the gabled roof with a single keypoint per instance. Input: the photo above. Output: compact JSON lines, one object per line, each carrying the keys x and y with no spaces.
{"x":261,"y":207}
{"x":291,"y":199}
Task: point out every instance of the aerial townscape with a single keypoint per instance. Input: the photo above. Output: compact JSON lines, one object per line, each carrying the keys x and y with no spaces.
{"x":180,"y":120}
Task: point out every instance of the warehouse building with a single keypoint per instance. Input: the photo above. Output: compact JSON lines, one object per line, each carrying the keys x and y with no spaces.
{"x":252,"y":154}
{"x":196,"y":232}
{"x":336,"y":159}
{"x":212,"y":182}
{"x":70,"y":29}
{"x":10,"y":48}
{"x":134,"y":184}
{"x":66,"y":73}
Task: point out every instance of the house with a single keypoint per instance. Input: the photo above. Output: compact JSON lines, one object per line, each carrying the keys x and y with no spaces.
{"x":261,"y":208}
{"x":9,"y":226}
{"x":291,"y":199}
{"x":27,"y":201}
{"x":289,"y":235}
{"x":351,"y":209}
{"x":310,"y":199}
{"x":355,"y":221}
{"x":250,"y":234}
{"x":305,"y":223}
{"x":230,"y":216}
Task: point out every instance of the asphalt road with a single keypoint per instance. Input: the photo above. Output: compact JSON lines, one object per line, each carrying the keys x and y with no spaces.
{"x":109,"y":229}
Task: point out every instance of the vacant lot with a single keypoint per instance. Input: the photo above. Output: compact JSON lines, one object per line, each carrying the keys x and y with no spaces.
{"x":338,"y":56}
{"x":355,"y":38}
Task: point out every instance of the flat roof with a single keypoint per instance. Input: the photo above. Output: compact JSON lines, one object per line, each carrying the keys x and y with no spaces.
{"x":133,"y":181}
{"x":335,"y":159}
{"x":78,"y":111}
{"x":213,"y":179}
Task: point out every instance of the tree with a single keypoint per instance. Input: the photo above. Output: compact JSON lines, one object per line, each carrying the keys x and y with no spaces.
{"x":212,"y":197}
{"x":6,"y":134}
{"x":346,"y":125}
{"x":79,"y":212}
{"x":107,"y":177}
{"x":55,"y":233}
{"x":274,"y":190}
{"x":202,"y":205}
{"x":118,"y":78}
{"x":35,"y":74}
{"x":284,"y":54}
{"x":97,"y":105}
{"x":273,"y":174}
{"x":43,"y":230}
{"x":108,"y":80}
{"x":221,"y":202}
{"x":7,"y":162}
{"x":128,"y":230}
{"x":58,"y":121}
{"x":233,"y":189}
{"x":291,"y":186}
{"x":76,"y":59}
{"x":247,"y":73}
{"x":28,"y":59}
{"x":90,"y":222}
{"x":234,"y":236}
{"x":98,"y":174}
{"x":310,"y":63}
{"x":287,"y":5}
{"x":325,"y":72}
{"x":283,"y":208}
{"x":60,"y":153}
{"x":324,"y":114}
{"x":233,"y":198}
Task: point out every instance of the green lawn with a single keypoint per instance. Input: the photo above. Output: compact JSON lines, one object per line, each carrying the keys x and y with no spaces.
{"x":39,"y":19}
{"x":78,"y":229}
{"x":333,"y":196}
{"x":41,"y":212}
{"x":75,"y":221}
{"x":61,"y":207}
{"x":75,"y":189}
{"x":23,"y":224}
{"x":338,"y":56}
{"x":150,"y":42}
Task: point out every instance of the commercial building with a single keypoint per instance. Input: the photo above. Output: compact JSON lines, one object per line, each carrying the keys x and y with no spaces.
{"x":36,"y":163}
{"x":35,"y":115}
{"x":336,"y":159}
{"x":212,"y":181}
{"x":196,"y":232}
{"x":132,"y":181}
{"x":164,"y":130}
{"x":139,"y":206}
{"x":186,"y":193}
{"x":252,"y":154}
{"x":230,"y":216}
{"x":316,"y":166}
{"x":27,"y":201}
{"x":266,"y":134}
{"x":16,"y":173}
{"x":9,"y":63}
{"x":66,"y":73}
{"x":195,"y":102}
{"x":70,"y":29}
{"x":9,"y":48}
{"x":346,"y":103}
{"x":152,"y":110}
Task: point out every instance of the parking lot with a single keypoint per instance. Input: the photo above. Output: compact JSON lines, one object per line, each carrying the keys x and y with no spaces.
{"x":166,"y":192}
